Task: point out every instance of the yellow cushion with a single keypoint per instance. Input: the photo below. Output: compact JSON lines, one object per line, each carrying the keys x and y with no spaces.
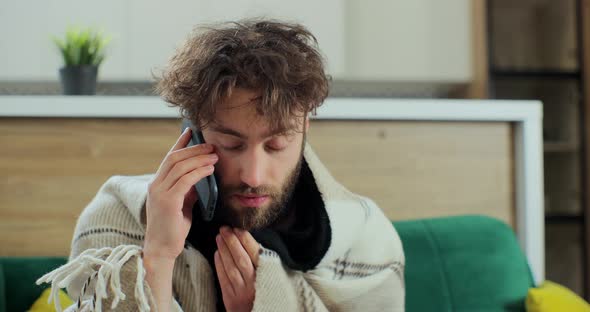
{"x":41,"y":305}
{"x":551,"y":297}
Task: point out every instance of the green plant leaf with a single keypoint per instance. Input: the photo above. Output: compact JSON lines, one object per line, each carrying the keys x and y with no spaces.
{"x":82,"y":46}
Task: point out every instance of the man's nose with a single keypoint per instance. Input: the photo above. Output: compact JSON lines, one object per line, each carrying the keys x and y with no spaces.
{"x":252,"y":168}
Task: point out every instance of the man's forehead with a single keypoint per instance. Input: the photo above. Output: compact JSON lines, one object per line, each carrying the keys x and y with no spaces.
{"x":239,"y":97}
{"x":240,"y":114}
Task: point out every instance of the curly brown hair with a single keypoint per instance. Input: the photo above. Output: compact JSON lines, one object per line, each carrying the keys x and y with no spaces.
{"x":281,"y":60}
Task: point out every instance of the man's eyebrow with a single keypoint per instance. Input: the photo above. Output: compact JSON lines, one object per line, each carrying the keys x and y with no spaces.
{"x":232,"y":132}
{"x":224,"y":130}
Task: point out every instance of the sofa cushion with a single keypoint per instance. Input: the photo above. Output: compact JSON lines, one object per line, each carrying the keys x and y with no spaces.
{"x":463,"y":263}
{"x":42,"y":304}
{"x":551,"y":296}
{"x":20,"y":274}
{"x":2,"y":291}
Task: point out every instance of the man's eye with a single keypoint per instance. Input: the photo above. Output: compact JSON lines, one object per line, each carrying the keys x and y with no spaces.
{"x":233,"y":147}
{"x":276,"y":147}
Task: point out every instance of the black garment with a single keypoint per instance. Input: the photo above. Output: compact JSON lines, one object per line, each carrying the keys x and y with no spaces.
{"x":301,"y":246}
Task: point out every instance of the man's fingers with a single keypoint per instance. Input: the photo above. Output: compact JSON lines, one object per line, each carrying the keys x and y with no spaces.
{"x":182,"y":140}
{"x":239,"y":254}
{"x":189,"y":201}
{"x":226,"y":285}
{"x":188,"y":180}
{"x":250,"y":244}
{"x":228,"y":256}
{"x":177,"y":153}
{"x":231,"y":270}
{"x":177,"y":156}
{"x":181,"y":168}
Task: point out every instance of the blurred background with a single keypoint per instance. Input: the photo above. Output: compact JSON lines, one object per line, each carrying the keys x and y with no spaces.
{"x":362,"y":42}
{"x":397,"y":49}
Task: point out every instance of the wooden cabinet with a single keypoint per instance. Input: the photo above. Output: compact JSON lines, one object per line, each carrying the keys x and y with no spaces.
{"x":538,"y":51}
{"x":51,"y":167}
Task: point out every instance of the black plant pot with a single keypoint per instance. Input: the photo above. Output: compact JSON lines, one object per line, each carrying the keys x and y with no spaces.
{"x":78,"y":80}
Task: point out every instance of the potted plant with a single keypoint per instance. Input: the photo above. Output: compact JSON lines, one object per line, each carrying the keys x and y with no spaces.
{"x":83,"y":52}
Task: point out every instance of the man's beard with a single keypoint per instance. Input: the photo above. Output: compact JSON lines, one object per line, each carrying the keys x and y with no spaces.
{"x":255,"y":218}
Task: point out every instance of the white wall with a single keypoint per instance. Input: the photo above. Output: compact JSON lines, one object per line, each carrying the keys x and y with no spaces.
{"x":145,"y":32}
{"x":384,"y":40}
{"x":421,"y":40}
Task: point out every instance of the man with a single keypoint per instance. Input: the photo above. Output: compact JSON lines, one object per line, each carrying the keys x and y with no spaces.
{"x":285,"y":235}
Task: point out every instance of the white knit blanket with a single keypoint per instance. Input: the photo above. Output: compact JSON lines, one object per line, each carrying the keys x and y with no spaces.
{"x":361,"y":271}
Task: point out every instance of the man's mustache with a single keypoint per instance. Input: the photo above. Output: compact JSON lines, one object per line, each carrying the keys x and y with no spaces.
{"x":246,"y":189}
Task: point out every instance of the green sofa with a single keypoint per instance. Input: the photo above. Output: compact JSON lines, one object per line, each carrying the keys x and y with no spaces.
{"x":463,"y":263}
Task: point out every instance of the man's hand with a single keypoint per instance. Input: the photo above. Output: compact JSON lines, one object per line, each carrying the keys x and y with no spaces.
{"x":169,"y":206}
{"x":171,"y":197}
{"x":236,"y":260}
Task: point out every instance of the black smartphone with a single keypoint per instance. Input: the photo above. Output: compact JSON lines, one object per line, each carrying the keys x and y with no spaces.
{"x":206,"y":188}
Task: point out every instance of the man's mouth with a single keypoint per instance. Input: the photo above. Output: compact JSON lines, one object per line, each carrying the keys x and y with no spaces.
{"x":251,"y":200}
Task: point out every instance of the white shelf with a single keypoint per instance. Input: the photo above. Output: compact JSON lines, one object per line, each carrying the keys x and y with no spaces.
{"x":333,"y":108}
